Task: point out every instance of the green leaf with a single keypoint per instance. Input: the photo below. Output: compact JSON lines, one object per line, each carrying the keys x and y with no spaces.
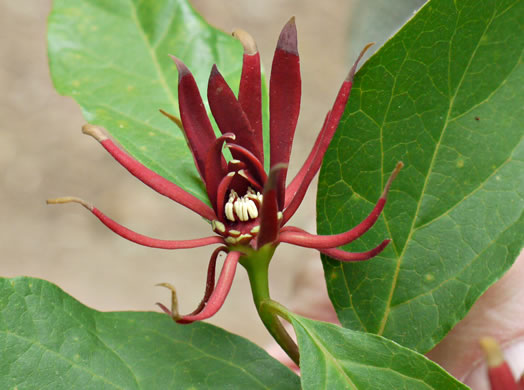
{"x":445,"y":96}
{"x":51,"y":341}
{"x":332,"y":357}
{"x":112,"y":58}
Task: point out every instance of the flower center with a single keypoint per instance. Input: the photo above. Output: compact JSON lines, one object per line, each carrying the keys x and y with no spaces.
{"x":243,"y":208}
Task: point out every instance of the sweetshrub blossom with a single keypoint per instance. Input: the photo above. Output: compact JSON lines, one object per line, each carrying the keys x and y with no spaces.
{"x":249,"y":207}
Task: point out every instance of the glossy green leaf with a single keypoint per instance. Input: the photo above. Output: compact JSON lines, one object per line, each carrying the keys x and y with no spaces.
{"x":112,"y":58}
{"x":48,"y":340}
{"x":332,"y":357}
{"x":445,"y":96}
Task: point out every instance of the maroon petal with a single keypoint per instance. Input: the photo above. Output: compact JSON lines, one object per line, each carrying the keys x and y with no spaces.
{"x":269,"y":223}
{"x":344,"y":256}
{"x":249,"y":92}
{"x":216,"y":168}
{"x":284,"y":102}
{"x":148,"y":177}
{"x":217,"y":298}
{"x":293,"y":236}
{"x":298,"y":187}
{"x":228,"y":113}
{"x":196,"y":125}
{"x":210,"y":282}
{"x":296,"y":183}
{"x":137,"y":237}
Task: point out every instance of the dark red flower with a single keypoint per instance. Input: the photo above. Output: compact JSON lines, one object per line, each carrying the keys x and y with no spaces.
{"x":249,"y":207}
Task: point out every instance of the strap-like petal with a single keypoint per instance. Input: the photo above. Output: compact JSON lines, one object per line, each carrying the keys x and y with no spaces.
{"x":249,"y":92}
{"x":210,"y":281}
{"x":301,"y":238}
{"x":217,"y":298}
{"x":284,"y":102}
{"x":297,"y":189}
{"x":148,"y":177}
{"x":138,"y":238}
{"x":349,"y":257}
{"x":196,"y":125}
{"x":297,"y":181}
{"x":228,"y":113}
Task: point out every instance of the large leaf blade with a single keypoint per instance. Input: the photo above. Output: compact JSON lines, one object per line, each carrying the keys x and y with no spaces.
{"x":112,"y":58}
{"x":50,"y":340}
{"x":332,"y":357}
{"x":445,"y":96}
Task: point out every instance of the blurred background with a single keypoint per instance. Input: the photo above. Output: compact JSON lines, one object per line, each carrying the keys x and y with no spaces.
{"x":44,"y":155}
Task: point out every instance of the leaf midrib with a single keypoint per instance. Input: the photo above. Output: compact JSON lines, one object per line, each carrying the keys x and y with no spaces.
{"x":153,"y":55}
{"x":327,"y":354}
{"x":412,"y":229}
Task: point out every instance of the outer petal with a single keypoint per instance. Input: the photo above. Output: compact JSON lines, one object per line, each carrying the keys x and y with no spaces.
{"x":297,"y":181}
{"x":249,"y":92}
{"x":219,"y":293}
{"x":210,"y":281}
{"x":138,"y":238}
{"x":229,"y":114}
{"x":148,"y":177}
{"x":196,"y":125}
{"x":284,"y":102}
{"x":298,"y":187}
{"x":344,"y":256}
{"x":296,"y":237}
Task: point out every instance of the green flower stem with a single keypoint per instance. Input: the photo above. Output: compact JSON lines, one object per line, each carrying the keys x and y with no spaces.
{"x":256,"y":264}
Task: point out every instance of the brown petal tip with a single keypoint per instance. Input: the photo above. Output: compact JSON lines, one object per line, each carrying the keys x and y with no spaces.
{"x":392,"y":177}
{"x":181,"y":67}
{"x":271,"y":182}
{"x":491,"y":348}
{"x":247,"y":41}
{"x":288,"y":38}
{"x":215,"y":71}
{"x":353,"y":69}
{"x":176,"y":120}
{"x":69,"y":199}
{"x":96,"y":132}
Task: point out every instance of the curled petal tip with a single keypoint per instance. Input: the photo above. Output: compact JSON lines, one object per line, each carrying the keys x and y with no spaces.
{"x":229,"y":136}
{"x":96,"y":132}
{"x":70,"y":199}
{"x":174,"y":301}
{"x":176,"y":120}
{"x":394,"y":174}
{"x":288,"y":37}
{"x":354,"y":67}
{"x":247,"y":41}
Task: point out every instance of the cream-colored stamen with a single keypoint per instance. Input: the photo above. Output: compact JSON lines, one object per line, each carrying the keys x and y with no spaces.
{"x":243,"y":208}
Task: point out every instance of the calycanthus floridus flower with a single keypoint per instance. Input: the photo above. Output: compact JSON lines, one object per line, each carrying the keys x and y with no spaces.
{"x":249,"y":206}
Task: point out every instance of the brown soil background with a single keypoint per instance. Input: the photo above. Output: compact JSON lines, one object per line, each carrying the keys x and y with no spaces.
{"x":44,"y":155}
